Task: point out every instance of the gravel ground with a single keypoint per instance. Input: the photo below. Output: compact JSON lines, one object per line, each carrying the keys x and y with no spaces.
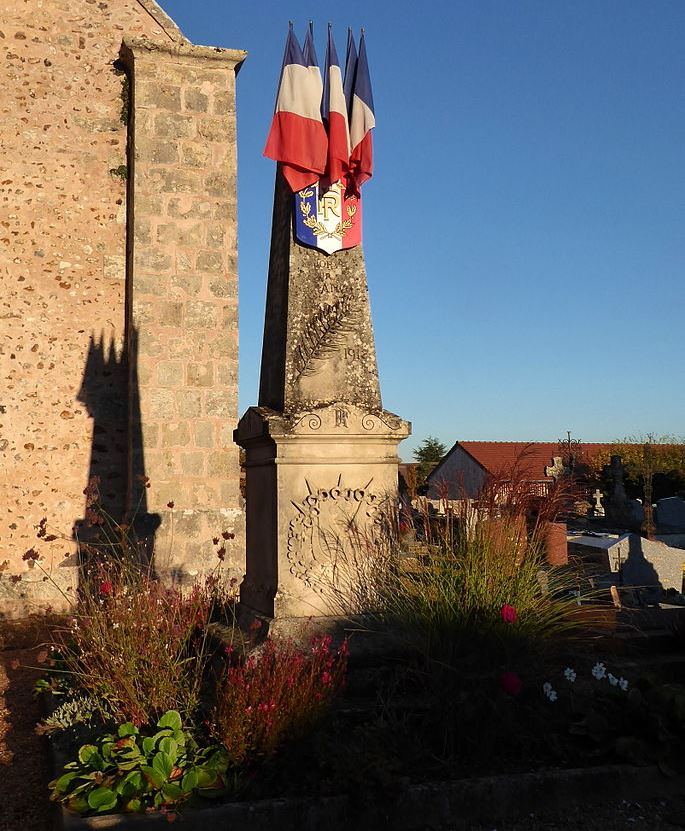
{"x":24,"y":770}
{"x":24,"y":773}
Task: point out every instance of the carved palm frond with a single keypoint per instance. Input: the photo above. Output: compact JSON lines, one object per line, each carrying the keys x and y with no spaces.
{"x":323,"y":334}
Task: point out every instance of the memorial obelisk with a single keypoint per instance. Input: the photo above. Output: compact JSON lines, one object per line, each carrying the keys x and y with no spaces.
{"x":321,"y":453}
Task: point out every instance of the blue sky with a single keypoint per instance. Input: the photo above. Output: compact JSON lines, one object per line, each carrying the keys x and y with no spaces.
{"x":525,"y":226}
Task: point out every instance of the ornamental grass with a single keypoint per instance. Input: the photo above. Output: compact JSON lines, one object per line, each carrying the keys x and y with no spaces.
{"x":277,"y":696}
{"x":137,"y":646}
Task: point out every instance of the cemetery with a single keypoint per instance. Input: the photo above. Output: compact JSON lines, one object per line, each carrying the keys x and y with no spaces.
{"x":251,"y":622}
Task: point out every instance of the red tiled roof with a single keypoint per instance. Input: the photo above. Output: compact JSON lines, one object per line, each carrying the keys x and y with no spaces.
{"x":532,"y":458}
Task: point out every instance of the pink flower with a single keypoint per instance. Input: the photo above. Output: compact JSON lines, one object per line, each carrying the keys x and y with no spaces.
{"x":510,"y":682}
{"x":509,"y":613}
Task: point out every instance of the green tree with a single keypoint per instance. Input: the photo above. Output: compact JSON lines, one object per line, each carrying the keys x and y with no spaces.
{"x":643,"y":456}
{"x":428,"y":454}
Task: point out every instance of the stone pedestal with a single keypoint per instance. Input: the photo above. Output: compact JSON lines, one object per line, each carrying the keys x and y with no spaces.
{"x":321,"y":452}
{"x":321,"y":488}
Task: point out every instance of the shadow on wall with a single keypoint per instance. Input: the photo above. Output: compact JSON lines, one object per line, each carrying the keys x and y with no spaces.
{"x":116,"y":475}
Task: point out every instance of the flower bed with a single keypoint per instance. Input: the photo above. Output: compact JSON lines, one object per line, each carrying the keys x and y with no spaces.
{"x":495,"y":674}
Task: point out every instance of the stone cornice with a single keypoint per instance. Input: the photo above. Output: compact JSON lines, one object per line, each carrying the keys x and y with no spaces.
{"x":137,"y":47}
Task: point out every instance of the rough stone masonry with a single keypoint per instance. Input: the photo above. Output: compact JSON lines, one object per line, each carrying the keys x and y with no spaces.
{"x":118,"y":309}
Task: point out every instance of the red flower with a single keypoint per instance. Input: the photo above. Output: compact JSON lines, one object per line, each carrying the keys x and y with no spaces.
{"x":510,"y":682}
{"x":106,"y":588}
{"x":509,"y":613}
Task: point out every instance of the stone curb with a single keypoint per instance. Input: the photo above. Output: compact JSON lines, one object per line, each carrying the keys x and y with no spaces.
{"x":418,"y":807}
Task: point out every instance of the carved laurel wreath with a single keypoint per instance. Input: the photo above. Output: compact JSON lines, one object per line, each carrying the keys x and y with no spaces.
{"x":317,"y":228}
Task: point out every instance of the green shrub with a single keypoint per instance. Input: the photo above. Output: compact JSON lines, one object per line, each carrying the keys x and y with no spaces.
{"x":132,"y":772}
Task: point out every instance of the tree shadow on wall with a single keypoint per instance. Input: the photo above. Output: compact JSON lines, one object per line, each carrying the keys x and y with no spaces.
{"x":116,"y":489}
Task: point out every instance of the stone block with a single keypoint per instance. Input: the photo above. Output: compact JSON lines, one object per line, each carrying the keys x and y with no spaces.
{"x":151,"y":284}
{"x":216,"y":234}
{"x":188,"y":207}
{"x":158,"y":95}
{"x":188,"y":235}
{"x":203,"y":432}
{"x":227,"y":372}
{"x":190,"y":284}
{"x":194,"y":100}
{"x":142,"y":313}
{"x":114,"y":267}
{"x":220,"y":287}
{"x":200,"y":375}
{"x":203,"y":494}
{"x":150,"y":260}
{"x":213,"y":128}
{"x":211,"y":262}
{"x":189,"y":403}
{"x":220,"y":404}
{"x":222,"y":464}
{"x":192,"y":463}
{"x":172,"y":180}
{"x":200,"y":314}
{"x":223,"y":102}
{"x":149,"y":345}
{"x":172,"y":125}
{"x":169,"y":313}
{"x":150,"y":435}
{"x":185,"y":262}
{"x":158,"y":403}
{"x":164,"y":152}
{"x":195,"y":155}
{"x":219,"y":184}
{"x":170,"y":373}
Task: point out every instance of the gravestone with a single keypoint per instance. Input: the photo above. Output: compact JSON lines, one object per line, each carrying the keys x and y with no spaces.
{"x":617,"y":507}
{"x":670,"y":514}
{"x":597,"y":508}
{"x":321,"y":452}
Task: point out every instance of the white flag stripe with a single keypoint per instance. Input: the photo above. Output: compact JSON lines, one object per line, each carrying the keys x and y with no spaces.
{"x":337,"y":101}
{"x":362,"y":121}
{"x":300,"y":91}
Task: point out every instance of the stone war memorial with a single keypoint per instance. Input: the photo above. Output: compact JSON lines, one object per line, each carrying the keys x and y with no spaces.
{"x":321,"y":453}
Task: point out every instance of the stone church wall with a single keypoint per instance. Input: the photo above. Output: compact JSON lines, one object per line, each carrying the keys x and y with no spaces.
{"x":69,"y":303}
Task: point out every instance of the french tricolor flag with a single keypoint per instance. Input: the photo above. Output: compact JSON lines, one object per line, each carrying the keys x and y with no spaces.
{"x":362,"y":118}
{"x":334,"y":112}
{"x":297,"y":138}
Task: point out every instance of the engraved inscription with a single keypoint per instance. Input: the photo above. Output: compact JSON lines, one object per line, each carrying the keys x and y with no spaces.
{"x":341,"y":417}
{"x":354,"y":354}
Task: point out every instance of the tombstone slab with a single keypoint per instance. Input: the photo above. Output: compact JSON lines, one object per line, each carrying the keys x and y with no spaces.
{"x":321,"y":452}
{"x":670,"y":514}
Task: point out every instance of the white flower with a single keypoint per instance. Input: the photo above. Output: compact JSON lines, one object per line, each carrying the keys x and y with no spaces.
{"x":115,"y":626}
{"x":570,"y":675}
{"x":599,"y":671}
{"x":623,"y":684}
{"x":548,"y":691}
{"x":613,"y":680}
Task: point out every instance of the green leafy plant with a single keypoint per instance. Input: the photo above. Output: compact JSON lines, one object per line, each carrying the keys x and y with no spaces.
{"x":132,"y":772}
{"x":82,"y":709}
